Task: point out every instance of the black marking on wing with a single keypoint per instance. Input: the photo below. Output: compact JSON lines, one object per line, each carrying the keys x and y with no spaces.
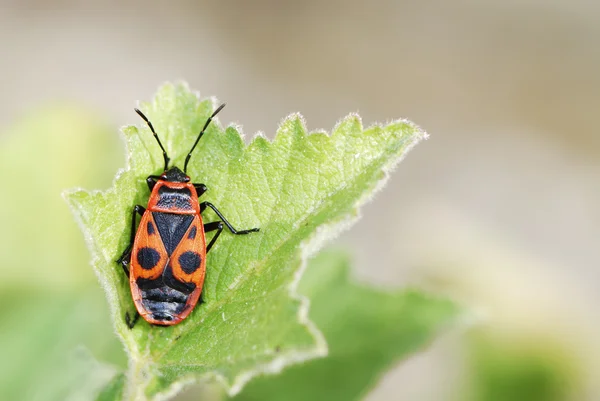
{"x":190,"y":261}
{"x":149,"y":284}
{"x":150,"y":228}
{"x":148,"y":258}
{"x":166,"y":280}
{"x":192,"y":233}
{"x":172,"y":228}
{"x":172,"y":282}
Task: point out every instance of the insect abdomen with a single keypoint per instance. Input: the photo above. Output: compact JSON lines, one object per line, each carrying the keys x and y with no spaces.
{"x":164,"y":304}
{"x":164,"y":299}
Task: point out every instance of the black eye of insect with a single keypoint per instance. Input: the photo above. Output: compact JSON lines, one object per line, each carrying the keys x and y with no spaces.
{"x":166,"y":257}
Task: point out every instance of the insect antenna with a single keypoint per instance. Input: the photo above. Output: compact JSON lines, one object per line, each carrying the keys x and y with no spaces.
{"x":187,"y":159}
{"x":156,"y":137}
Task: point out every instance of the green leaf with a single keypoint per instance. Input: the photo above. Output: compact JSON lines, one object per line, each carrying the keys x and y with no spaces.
{"x":40,"y":332}
{"x":519,"y":368}
{"x":45,"y":151}
{"x":79,"y":377}
{"x":368,"y":330}
{"x":113,"y":391}
{"x":299,"y":189}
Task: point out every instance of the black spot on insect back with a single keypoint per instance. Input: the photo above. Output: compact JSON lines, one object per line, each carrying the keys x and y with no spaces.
{"x":148,"y":258}
{"x":150,"y":228}
{"x":190,"y":261}
{"x":192,"y":233}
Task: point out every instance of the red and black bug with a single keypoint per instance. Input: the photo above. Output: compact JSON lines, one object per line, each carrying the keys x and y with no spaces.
{"x":166,"y":257}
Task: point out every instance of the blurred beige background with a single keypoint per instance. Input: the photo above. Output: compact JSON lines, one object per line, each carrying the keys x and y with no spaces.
{"x":499,"y":208}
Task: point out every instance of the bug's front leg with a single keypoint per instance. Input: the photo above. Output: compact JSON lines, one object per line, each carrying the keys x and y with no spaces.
{"x":126,"y":256}
{"x":151,"y":181}
{"x":200,"y":189}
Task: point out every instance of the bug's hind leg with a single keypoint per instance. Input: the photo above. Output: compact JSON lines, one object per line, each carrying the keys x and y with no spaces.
{"x":204,"y":205}
{"x":124,"y":258}
{"x":131,"y":321}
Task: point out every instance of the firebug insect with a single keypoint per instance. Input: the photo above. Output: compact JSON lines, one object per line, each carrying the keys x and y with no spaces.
{"x":166,"y":257}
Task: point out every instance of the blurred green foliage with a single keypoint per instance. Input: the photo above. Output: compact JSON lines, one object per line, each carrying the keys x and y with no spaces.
{"x":58,"y":147}
{"x":519,"y":368}
{"x":50,"y":299}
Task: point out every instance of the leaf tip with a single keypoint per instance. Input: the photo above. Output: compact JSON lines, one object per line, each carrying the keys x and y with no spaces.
{"x":350,"y":123}
{"x":291,"y":126}
{"x":259,"y":141}
{"x":73,"y":196}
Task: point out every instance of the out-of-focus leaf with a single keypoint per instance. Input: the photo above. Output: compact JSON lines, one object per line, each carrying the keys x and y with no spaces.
{"x":113,"y":391}
{"x":50,"y":301}
{"x":367,"y":329}
{"x":41,"y":155}
{"x":40,"y":331}
{"x":519,"y":369}
{"x":79,"y":377}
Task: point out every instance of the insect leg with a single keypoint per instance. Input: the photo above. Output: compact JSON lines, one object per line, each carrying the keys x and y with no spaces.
{"x":200,"y":189}
{"x":124,"y":259}
{"x":215,"y":225}
{"x":151,"y":181}
{"x":204,"y":205}
{"x":131,"y":321}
